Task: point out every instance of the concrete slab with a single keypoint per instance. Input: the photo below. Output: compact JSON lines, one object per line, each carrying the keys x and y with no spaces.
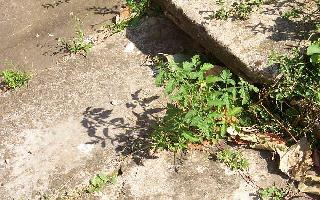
{"x":81,"y":116}
{"x":244,"y":46}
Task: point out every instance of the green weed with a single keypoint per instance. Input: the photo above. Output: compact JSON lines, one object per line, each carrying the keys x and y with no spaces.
{"x":314,"y":52}
{"x":233,"y":159}
{"x":138,"y":10}
{"x":271,"y":193}
{"x":291,"y":105}
{"x":243,"y":10}
{"x":78,"y":44}
{"x":290,"y":14}
{"x":203,"y":105}
{"x":118,"y":27}
{"x":138,"y":7}
{"x":222,"y":14}
{"x":14,"y":79}
{"x":101,"y":180}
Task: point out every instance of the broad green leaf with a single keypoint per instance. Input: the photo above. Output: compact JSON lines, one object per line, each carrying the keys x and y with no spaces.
{"x":213,"y":79}
{"x":103,"y":177}
{"x":194,"y":75}
{"x":195,"y":60}
{"x":160,"y":78}
{"x":225,"y":74}
{"x":187,"y":67}
{"x":223,"y":129}
{"x":206,"y":66}
{"x":215,"y":115}
{"x":196,"y":120}
{"x":190,"y":137}
{"x":313,"y":49}
{"x":234,"y":111}
{"x":190,"y":115}
{"x":315,"y":59}
{"x":170,"y":86}
{"x":96,"y":181}
{"x":216,"y":103}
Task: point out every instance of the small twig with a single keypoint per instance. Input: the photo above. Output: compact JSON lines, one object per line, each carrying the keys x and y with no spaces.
{"x":279,"y":122}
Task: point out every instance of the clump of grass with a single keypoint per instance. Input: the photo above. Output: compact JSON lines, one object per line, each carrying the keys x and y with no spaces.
{"x":271,"y":193}
{"x":233,"y":159}
{"x":14,"y":79}
{"x":101,"y":180}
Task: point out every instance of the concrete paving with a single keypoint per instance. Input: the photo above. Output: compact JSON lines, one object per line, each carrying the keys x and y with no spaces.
{"x":81,"y":116}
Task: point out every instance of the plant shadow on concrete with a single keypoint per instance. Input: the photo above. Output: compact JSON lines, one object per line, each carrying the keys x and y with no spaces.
{"x":54,"y":49}
{"x":151,"y":32}
{"x":158,"y":34}
{"x":285,"y":29}
{"x":55,"y":4}
{"x":134,"y":138}
{"x":103,"y":10}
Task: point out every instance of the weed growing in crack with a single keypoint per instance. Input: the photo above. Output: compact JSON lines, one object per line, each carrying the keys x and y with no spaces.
{"x":291,"y":105}
{"x":14,"y":79}
{"x":79,"y":43}
{"x":222,"y":14}
{"x":136,"y":10}
{"x":101,"y":180}
{"x":203,"y":105}
{"x":138,"y":7}
{"x":290,"y":14}
{"x":233,"y":159}
{"x":271,"y":193}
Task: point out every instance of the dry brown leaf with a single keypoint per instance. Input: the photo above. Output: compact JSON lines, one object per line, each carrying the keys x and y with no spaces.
{"x":297,"y":160}
{"x":266,"y":141}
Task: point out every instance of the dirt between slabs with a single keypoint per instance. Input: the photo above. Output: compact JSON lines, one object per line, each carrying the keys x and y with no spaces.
{"x":80,"y":116}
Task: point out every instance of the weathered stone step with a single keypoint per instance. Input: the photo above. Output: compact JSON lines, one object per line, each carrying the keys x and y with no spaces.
{"x":242,"y":45}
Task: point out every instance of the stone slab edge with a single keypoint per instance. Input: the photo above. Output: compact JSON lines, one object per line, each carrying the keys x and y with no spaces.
{"x":246,"y":53}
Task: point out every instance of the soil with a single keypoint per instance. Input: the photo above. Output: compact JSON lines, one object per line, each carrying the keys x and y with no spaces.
{"x":80,"y":116}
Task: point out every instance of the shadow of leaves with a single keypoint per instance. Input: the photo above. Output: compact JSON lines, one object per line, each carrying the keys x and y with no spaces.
{"x":134,"y":139}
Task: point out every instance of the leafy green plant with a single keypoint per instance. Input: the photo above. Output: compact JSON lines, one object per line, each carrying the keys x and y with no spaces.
{"x":78,"y":44}
{"x":14,"y":79}
{"x":138,"y":10}
{"x":290,"y":107}
{"x":314,"y":52}
{"x":118,"y":27}
{"x":233,"y":159}
{"x":138,"y":6}
{"x":290,"y":14}
{"x":271,"y":193}
{"x":101,"y":180}
{"x":222,"y":13}
{"x":203,"y":105}
{"x":243,"y":10}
